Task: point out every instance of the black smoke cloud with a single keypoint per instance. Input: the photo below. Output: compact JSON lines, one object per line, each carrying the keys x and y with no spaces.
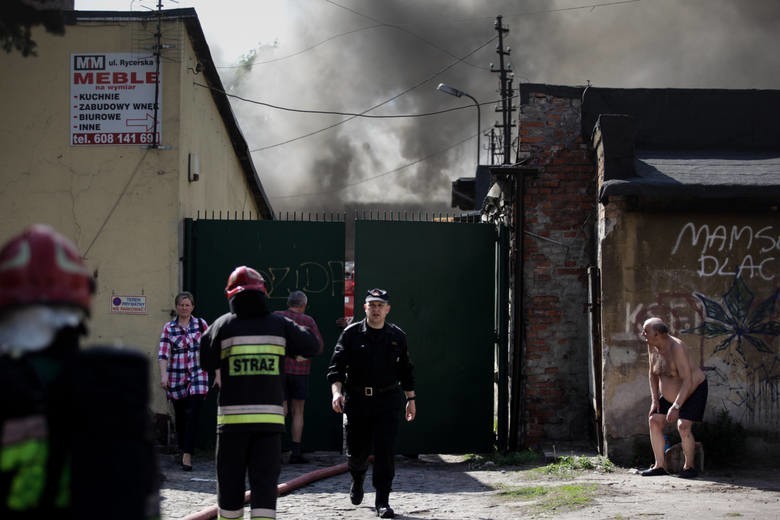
{"x":351,"y":56}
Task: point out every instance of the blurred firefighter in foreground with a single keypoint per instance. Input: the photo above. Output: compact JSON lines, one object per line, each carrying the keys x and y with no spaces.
{"x":76,"y":433}
{"x":246,"y":349}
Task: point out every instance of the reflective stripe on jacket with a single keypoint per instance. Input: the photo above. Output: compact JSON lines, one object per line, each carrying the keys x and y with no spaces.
{"x":250,"y":352}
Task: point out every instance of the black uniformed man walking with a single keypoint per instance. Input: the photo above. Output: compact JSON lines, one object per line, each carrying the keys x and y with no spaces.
{"x":370,"y":359}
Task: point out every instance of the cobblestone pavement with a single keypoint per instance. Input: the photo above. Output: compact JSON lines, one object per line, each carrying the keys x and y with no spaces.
{"x":430,"y":487}
{"x":444,"y":487}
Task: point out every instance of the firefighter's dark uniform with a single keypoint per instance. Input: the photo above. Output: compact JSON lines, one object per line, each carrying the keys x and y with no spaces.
{"x":370,"y":363}
{"x":249,"y":348}
{"x":61,"y":412}
{"x":64,"y":412}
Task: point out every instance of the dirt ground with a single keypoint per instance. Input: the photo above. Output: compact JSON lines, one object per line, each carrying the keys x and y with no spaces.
{"x":444,"y":487}
{"x":624,"y":494}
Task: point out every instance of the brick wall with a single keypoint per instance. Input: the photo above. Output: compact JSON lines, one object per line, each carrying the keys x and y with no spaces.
{"x":559,"y":222}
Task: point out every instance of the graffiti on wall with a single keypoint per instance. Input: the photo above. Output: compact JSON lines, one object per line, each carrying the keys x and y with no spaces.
{"x":737,"y":250}
{"x":677,"y":309}
{"x":738,"y":321}
{"x":738,"y":331}
{"x":309,"y":277}
{"x":744,"y":365}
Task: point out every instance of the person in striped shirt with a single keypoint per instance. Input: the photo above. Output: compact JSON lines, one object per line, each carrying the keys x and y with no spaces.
{"x":181,"y":376}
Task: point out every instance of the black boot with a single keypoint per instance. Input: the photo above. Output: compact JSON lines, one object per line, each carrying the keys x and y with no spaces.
{"x":295,"y":455}
{"x":356,"y":491}
{"x":383,"y":509}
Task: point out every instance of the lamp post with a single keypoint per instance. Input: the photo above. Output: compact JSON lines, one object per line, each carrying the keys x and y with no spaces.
{"x":452,"y":91}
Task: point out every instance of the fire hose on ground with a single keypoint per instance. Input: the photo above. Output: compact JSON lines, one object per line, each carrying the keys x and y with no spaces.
{"x":284,"y":488}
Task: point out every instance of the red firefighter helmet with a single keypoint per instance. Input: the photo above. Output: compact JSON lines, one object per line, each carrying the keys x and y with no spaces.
{"x":244,"y":279}
{"x":41,"y":266}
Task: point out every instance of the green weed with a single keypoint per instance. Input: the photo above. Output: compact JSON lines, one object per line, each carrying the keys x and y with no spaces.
{"x":568,"y":465}
{"x":552,"y":498}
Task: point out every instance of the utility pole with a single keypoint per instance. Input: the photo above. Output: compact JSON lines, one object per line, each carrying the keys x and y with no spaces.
{"x":157,"y":48}
{"x":492,"y":146}
{"x":505,"y":89}
{"x":509,"y":278}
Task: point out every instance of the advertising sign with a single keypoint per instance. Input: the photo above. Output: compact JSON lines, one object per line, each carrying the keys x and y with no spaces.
{"x":113,"y":99}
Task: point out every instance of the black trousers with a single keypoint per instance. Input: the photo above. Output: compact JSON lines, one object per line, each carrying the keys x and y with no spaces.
{"x":186,"y":412}
{"x":256,"y":454}
{"x":373,"y":425}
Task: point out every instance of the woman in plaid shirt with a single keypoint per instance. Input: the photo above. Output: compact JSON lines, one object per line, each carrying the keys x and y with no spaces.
{"x":181,"y":375}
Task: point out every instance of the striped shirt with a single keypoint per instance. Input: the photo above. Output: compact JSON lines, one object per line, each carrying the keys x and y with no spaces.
{"x":300,"y":366}
{"x":181,"y":348}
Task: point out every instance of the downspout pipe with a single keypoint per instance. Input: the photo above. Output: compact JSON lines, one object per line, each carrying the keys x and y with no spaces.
{"x":517,"y":398}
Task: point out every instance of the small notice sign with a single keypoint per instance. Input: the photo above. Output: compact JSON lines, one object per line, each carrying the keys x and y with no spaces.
{"x":128,"y":304}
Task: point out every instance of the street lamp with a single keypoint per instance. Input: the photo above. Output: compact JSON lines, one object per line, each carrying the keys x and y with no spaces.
{"x":452,"y":91}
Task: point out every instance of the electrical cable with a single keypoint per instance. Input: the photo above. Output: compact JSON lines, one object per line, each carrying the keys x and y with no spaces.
{"x":367,"y":179}
{"x":339,"y":113}
{"x":401,"y":28}
{"x":281,"y":58}
{"x":393,"y":98}
{"x":407,"y":31}
{"x":116,"y":203}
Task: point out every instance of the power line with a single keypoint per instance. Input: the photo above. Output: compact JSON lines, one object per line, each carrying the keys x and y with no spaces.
{"x":377,"y":25}
{"x":400,"y":27}
{"x":407,"y":31}
{"x":307,"y":49}
{"x":337,"y":112}
{"x":575,"y":8}
{"x":458,"y":60}
{"x":117,"y":201}
{"x":393,"y":98}
{"x":555,"y":10}
{"x":368,"y":179}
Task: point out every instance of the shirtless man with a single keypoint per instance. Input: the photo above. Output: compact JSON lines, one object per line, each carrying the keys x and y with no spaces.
{"x":678,"y":392}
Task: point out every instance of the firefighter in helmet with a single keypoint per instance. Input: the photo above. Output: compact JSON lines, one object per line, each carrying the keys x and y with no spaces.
{"x":62,"y":409}
{"x":246,"y":349}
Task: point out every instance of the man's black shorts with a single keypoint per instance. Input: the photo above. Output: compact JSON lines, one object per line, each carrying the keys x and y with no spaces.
{"x":296,"y":387}
{"x":693,"y":407}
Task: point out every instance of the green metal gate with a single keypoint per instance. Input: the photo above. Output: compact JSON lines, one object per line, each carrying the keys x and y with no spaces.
{"x":308,"y":256}
{"x":441,"y":276}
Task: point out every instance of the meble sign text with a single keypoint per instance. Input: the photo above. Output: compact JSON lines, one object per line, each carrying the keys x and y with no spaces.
{"x":113,"y":99}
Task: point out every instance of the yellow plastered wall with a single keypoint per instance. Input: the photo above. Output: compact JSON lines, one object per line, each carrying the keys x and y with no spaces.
{"x":123,"y":206}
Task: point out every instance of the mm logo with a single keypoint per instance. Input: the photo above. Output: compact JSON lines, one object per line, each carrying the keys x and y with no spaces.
{"x":89,"y":62}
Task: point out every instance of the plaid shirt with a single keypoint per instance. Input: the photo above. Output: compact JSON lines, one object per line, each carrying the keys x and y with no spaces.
{"x":301,"y":366}
{"x":181,"y":348}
